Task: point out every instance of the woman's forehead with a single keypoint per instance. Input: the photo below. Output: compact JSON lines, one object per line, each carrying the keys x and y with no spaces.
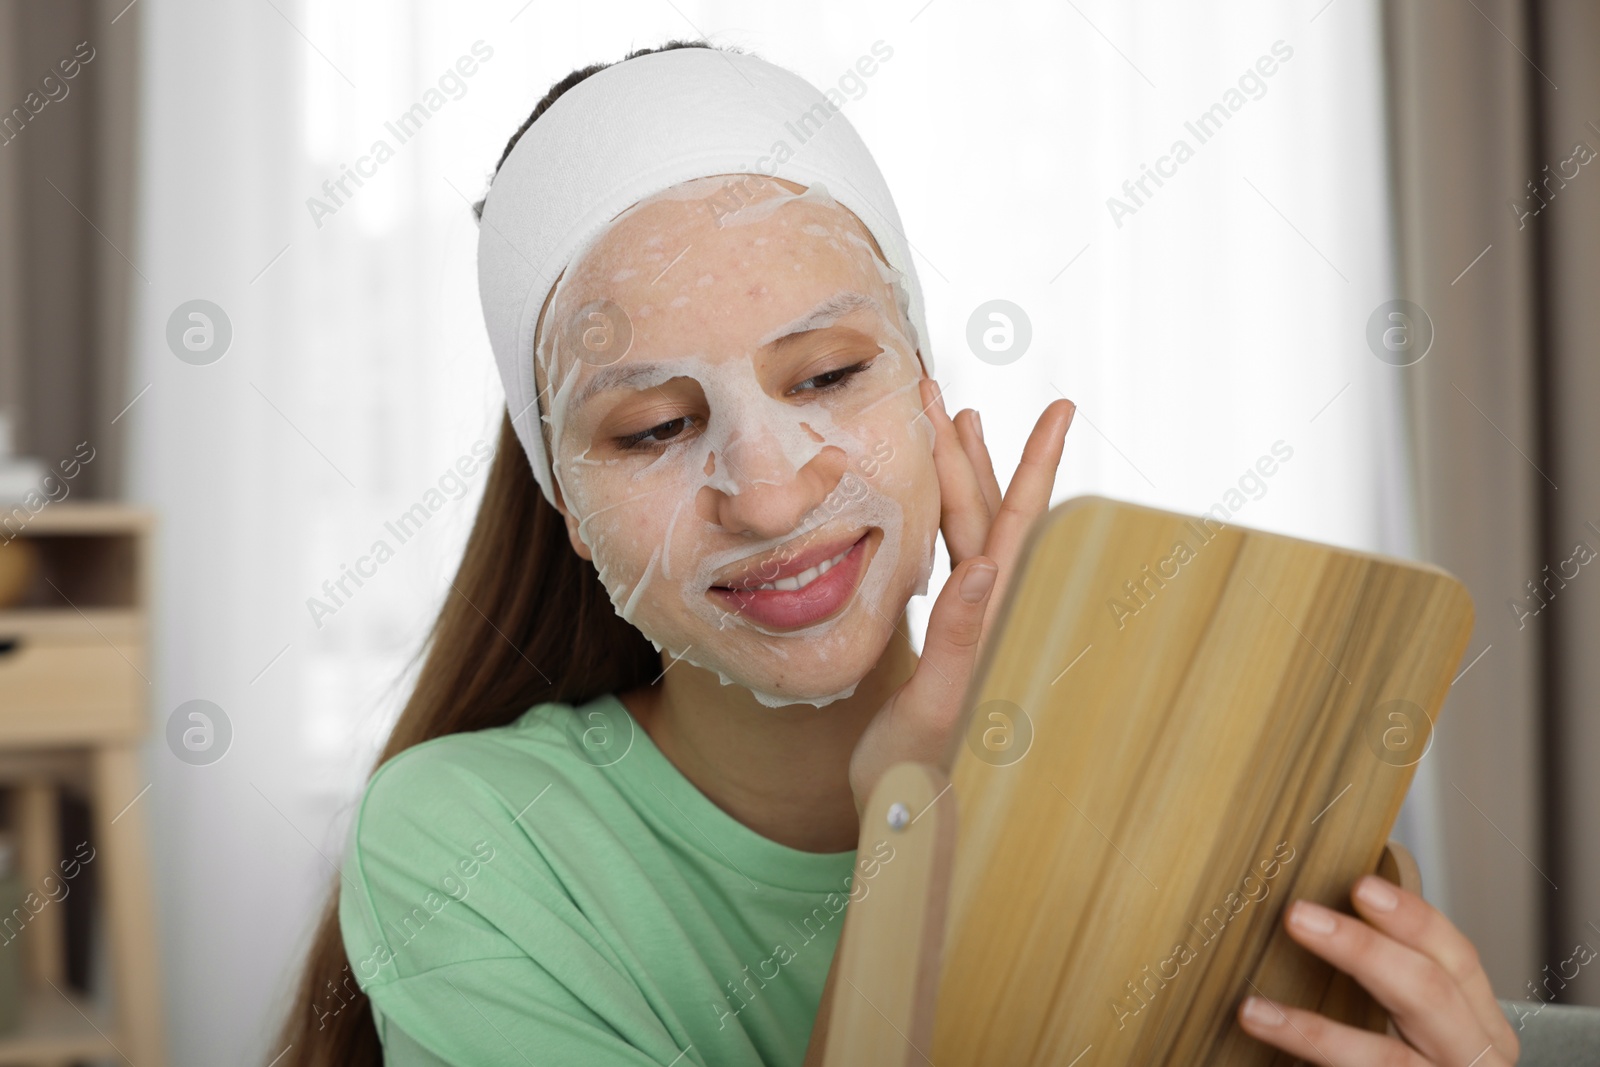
{"x":675,"y":266}
{"x":671,"y":244}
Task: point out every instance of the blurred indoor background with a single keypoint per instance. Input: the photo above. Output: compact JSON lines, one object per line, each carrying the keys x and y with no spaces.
{"x":223,"y":372}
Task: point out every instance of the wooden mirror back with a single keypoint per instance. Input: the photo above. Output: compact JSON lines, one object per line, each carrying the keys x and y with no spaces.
{"x":1177,"y":727}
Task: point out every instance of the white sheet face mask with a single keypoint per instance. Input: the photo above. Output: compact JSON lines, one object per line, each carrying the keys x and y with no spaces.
{"x":753,"y":349}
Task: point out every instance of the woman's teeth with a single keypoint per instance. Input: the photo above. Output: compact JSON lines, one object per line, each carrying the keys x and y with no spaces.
{"x":807,"y":576}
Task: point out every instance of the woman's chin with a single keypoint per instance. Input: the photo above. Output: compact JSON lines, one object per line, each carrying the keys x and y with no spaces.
{"x":806,"y":680}
{"x":812,"y":696}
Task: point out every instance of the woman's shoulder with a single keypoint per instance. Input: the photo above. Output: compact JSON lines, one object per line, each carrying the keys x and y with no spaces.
{"x":468,"y":771}
{"x":467,"y":814}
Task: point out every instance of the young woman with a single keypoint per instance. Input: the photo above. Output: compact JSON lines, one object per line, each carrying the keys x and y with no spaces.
{"x":616,"y":821}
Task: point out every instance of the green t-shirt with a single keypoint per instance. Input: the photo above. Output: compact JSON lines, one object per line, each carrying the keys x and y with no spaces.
{"x":556,"y":892}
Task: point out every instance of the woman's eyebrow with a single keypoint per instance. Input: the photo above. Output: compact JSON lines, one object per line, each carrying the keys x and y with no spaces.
{"x":835,"y":307}
{"x":611,"y":377}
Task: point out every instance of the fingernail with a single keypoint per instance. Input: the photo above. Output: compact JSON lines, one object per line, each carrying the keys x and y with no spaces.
{"x":1375,"y":893}
{"x":938,"y":394}
{"x":1262,"y":1012}
{"x":977,"y":423}
{"x":1311,"y":918}
{"x":977,"y":582}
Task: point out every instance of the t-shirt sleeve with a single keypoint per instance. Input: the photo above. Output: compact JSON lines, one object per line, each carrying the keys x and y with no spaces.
{"x":463,"y":939}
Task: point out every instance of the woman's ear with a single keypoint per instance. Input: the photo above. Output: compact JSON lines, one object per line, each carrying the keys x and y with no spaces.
{"x":572,"y":526}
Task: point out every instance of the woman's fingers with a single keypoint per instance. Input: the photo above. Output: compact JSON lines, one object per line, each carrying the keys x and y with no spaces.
{"x":963,"y":512}
{"x":1417,"y":924}
{"x":950,"y":647}
{"x":1428,"y":1007}
{"x":916,"y":722}
{"x":1318,"y":1039}
{"x":1028,"y":495}
{"x":1415,"y":963}
{"x":971,"y":430}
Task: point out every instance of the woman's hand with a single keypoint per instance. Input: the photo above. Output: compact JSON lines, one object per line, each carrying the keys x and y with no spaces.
{"x":984,"y":533}
{"x":1415,"y":963}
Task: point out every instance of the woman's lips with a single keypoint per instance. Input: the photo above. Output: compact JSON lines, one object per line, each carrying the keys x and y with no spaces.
{"x":788,"y":609}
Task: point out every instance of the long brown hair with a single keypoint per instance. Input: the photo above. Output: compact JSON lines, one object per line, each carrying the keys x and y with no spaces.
{"x":526,"y":621}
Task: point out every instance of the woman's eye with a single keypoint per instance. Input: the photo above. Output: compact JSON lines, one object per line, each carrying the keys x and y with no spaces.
{"x":658,"y":438}
{"x":649,"y":441}
{"x":834,"y":379}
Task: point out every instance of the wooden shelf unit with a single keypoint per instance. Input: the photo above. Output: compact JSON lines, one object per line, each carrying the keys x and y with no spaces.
{"x":75,"y":698}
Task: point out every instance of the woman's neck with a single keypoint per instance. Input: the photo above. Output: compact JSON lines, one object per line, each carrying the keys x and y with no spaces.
{"x":783,"y":772}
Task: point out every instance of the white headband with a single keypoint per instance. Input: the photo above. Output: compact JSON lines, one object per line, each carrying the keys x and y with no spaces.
{"x":631,"y":130}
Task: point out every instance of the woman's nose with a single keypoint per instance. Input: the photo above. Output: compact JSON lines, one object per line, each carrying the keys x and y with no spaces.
{"x":767,"y":496}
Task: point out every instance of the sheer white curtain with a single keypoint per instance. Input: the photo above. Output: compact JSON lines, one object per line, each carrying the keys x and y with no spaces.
{"x":1225,"y":314}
